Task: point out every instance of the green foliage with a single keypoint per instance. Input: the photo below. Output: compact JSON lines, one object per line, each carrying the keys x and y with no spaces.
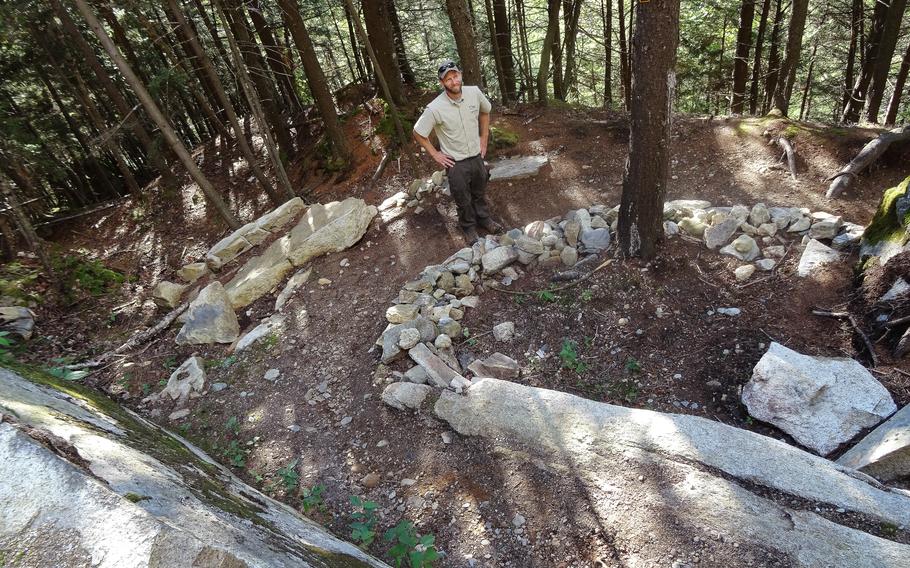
{"x":233,"y":425}
{"x":363,"y":521}
{"x":236,"y":454}
{"x":311,"y":498}
{"x":15,"y":279}
{"x":407,"y":544}
{"x":87,"y":275}
{"x":570,"y":358}
{"x":471,"y":341}
{"x":587,"y":295}
{"x":386,"y":125}
{"x":289,"y":476}
{"x":5,"y":343}
{"x":546,"y":296}
{"x":885,"y":226}
{"x":501,"y":138}
{"x":135,"y":497}
{"x":61,"y":372}
{"x":520,"y":299}
{"x":632,"y":365}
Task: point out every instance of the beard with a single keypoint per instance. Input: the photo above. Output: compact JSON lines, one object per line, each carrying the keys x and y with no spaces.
{"x":455,"y":90}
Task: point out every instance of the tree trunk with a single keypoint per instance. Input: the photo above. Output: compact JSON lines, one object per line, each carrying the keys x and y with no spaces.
{"x":740,"y":61}
{"x":644,"y":182}
{"x":807,"y":88}
{"x":870,"y":152}
{"x":899,"y":82}
{"x":773,"y":58}
{"x":407,"y":74}
{"x":756,"y":61}
{"x":856,"y":26}
{"x":283,"y":75}
{"x":360,"y":56}
{"x":503,"y":41}
{"x":606,"y":16}
{"x":870,"y":54}
{"x":787,"y":77}
{"x":572,"y":12}
{"x":460,"y":19}
{"x":113,"y":93}
{"x":379,"y":32}
{"x":315,"y":78}
{"x":524,"y":49}
{"x":152,"y":109}
{"x":543,"y":71}
{"x":882,"y":65}
{"x":27,"y":230}
{"x":556,"y":53}
{"x":207,"y":68}
{"x":625,"y":74}
{"x":719,"y":79}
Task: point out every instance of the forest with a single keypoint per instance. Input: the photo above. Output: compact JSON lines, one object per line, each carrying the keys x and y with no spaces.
{"x":216,"y":228}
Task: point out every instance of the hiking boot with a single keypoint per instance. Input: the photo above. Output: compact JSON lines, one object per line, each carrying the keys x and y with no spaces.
{"x":471,"y":235}
{"x":490,"y":226}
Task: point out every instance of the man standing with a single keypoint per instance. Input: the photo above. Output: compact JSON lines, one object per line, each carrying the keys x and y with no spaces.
{"x":460,"y":116}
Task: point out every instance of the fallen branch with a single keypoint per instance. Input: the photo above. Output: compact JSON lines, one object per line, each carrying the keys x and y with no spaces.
{"x":790,"y":152}
{"x":557,"y":289}
{"x":849,"y":317}
{"x":382,"y":165}
{"x":870,"y":152}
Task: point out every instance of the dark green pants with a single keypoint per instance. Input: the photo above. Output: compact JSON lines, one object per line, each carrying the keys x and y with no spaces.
{"x":468,"y":184}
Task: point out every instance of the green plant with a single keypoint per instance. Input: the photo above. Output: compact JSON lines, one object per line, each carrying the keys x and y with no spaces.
{"x":233,"y":425}
{"x":419,"y":550}
{"x":587,"y":295}
{"x":170,"y":362}
{"x":546,"y":296}
{"x":146,"y":389}
{"x":520,"y":299}
{"x":312,"y":498}
{"x":236,"y":454}
{"x":184,"y":429}
{"x":89,"y":275}
{"x":61,"y":372}
{"x":5,"y":343}
{"x":501,"y":138}
{"x":363,"y":525}
{"x":289,"y":476}
{"x":632,"y":365}
{"x":220,"y":363}
{"x":471,"y":341}
{"x":569,"y":356}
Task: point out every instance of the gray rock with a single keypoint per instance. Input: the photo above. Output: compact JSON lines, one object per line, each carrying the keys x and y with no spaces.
{"x":759,"y":215}
{"x":405,"y":396}
{"x":271,"y":326}
{"x":498,"y":258}
{"x":821,"y":401}
{"x":800,"y":225}
{"x":179,"y":414}
{"x":327,"y":228}
{"x":272,"y":375}
{"x":744,"y":272}
{"x":529,"y":244}
{"x":400,"y":313}
{"x":572,"y":231}
{"x":260,"y":274}
{"x":722,"y":463}
{"x":504,"y":331}
{"x":678,"y":209}
{"x":765,"y":264}
{"x":193,"y":272}
{"x":815,"y":256}
{"x":188,"y":377}
{"x":595,"y":239}
{"x":391,"y":336}
{"x":783,"y":217}
{"x":443,"y":341}
{"x":218,"y":387}
{"x":17,"y":320}
{"x":497,"y":365}
{"x":416,"y":375}
{"x":167,"y":294}
{"x":408,"y":338}
{"x":885,"y":452}
{"x":139,"y":497}
{"x":694,"y":227}
{"x":718,"y":235}
{"x":450,"y":327}
{"x":732,"y":312}
{"x":297,"y":280}
{"x":569,"y":256}
{"x":898,"y":289}
{"x":517,"y":168}
{"x":229,"y":248}
{"x":438,"y":373}
{"x":743,"y":247}
{"x":671,"y":229}
{"x":209,"y":318}
{"x":826,"y":229}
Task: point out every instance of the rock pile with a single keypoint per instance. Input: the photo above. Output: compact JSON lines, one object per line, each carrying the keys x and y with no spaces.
{"x":414,"y":197}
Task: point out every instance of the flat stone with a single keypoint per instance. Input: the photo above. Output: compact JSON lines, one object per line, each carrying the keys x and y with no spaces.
{"x":743,"y":247}
{"x":416,"y":375}
{"x":228,"y":248}
{"x":765,"y":264}
{"x":529,"y":244}
{"x":569,"y":256}
{"x":767,"y":229}
{"x":167,"y":294}
{"x":815,"y":256}
{"x":504,"y":331}
{"x":391,"y":336}
{"x":260,"y":274}
{"x":759,"y":215}
{"x":822,"y":402}
{"x":800,"y":225}
{"x":498,"y":258}
{"x":885,"y":452}
{"x":408,"y":338}
{"x":438,"y":373}
{"x":517,"y":168}
{"x":210,"y":318}
{"x":405,"y":396}
{"x":595,"y":239}
{"x":328,"y":228}
{"x":193,"y":272}
{"x":717,"y":236}
{"x":17,"y":320}
{"x":497,"y":365}
{"x":270,"y":326}
{"x":280,"y":216}
{"x":218,"y":387}
{"x":572,"y":231}
{"x":744,"y":272}
{"x":296,"y":281}
{"x":825,"y":229}
{"x":179,"y":414}
{"x":400,"y":313}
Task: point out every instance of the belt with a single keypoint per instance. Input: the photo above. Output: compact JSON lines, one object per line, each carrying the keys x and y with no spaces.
{"x":470,"y":158}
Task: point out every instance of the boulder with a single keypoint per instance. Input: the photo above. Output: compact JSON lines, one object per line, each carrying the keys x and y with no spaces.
{"x":826,"y":229}
{"x":228,"y":248}
{"x":885,"y":452}
{"x":439,"y":374}
{"x":281,"y":215}
{"x":497,"y":365}
{"x":677,"y":209}
{"x":298,"y":279}
{"x":517,"y":168}
{"x":117,"y":491}
{"x":759,"y":215}
{"x":17,"y":320}
{"x":328,"y":228}
{"x":718,"y":235}
{"x":595,"y":239}
{"x":800,"y":225}
{"x":822,"y":402}
{"x":167,"y":294}
{"x":529,"y":244}
{"x":885,"y":235}
{"x":188,"y":377}
{"x":694,"y":227}
{"x":270,"y":326}
{"x":498,"y":258}
{"x":193,"y":272}
{"x":713,"y":478}
{"x":815,"y":256}
{"x":209,"y":318}
{"x":405,"y":396}
{"x":260,"y":274}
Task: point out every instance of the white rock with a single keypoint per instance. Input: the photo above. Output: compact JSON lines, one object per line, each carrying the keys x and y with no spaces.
{"x":498,"y":258}
{"x":400,"y":313}
{"x":899,"y":288}
{"x":192,"y":272}
{"x":443,"y":341}
{"x":822,"y":402}
{"x":504,"y":331}
{"x":732,"y":312}
{"x":671,"y":229}
{"x":744,"y":248}
{"x":744,"y":272}
{"x":272,"y":375}
{"x":167,"y":294}
{"x":765,"y":264}
{"x":759,"y":215}
{"x":408,"y":338}
{"x":717,"y":236}
{"x":800,"y":225}
{"x":270,"y":326}
{"x":188,"y":377}
{"x":405,"y":395}
{"x":815,"y":256}
{"x":885,"y":452}
{"x":210,"y":318}
{"x":298,"y":279}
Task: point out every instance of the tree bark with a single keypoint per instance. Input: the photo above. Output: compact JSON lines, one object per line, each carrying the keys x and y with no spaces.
{"x":899,"y":82}
{"x":856,"y":26}
{"x":807,"y":88}
{"x":503,"y":42}
{"x":207,"y":68}
{"x":787,"y":77}
{"x":27,"y":230}
{"x":460,"y":19}
{"x":556,"y":53}
{"x":360,"y":55}
{"x":773,"y":58}
{"x":380,"y":36}
{"x":647,"y":166}
{"x":152,"y":109}
{"x":572,"y":13}
{"x":625,"y":74}
{"x":543,"y":71}
{"x":606,"y":14}
{"x":283,"y":75}
{"x":315,"y":78}
{"x":756,"y":61}
{"x":740,"y":60}
{"x":407,"y":74}
{"x":882,"y":65}
{"x":860,"y":91}
{"x":524,"y":49}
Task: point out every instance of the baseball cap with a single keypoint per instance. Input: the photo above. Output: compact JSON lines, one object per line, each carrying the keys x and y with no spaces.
{"x":446,"y":66}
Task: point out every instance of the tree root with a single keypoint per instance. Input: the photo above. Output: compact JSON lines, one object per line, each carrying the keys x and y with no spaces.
{"x":849,"y":317}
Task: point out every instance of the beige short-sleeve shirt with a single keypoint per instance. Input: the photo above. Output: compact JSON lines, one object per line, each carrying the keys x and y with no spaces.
{"x":455,"y":122}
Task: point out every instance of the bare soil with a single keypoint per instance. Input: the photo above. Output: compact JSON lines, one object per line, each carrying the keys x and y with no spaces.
{"x":675,"y":353}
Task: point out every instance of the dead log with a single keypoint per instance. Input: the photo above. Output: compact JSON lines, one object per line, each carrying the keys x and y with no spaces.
{"x":870,"y":152}
{"x":790,"y":152}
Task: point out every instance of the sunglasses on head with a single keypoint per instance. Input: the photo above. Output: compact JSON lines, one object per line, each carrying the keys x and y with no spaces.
{"x":447,"y":66}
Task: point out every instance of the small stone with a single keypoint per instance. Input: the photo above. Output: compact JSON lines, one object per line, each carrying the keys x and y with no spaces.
{"x":294,"y":428}
{"x":504,"y":331}
{"x":382,"y":443}
{"x":518,"y":521}
{"x":179,"y":414}
{"x":765,"y":264}
{"x":744,"y":272}
{"x":218,"y":387}
{"x":408,"y":338}
{"x":623,"y":321}
{"x":345,"y":421}
{"x":370,"y":480}
{"x":800,"y":225}
{"x":446,"y":438}
{"x":323,"y":281}
{"x":732,"y":312}
{"x":400,"y":313}
{"x":443,"y":341}
{"x":569,"y":256}
{"x":416,"y":375}
{"x":272,"y":375}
